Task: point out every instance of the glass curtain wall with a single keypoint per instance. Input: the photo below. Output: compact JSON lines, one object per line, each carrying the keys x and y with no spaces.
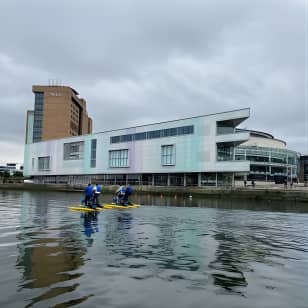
{"x":225,"y":152}
{"x":267,"y":164}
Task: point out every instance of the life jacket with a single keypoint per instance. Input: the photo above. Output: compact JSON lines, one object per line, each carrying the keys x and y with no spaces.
{"x":129,"y":190}
{"x":88,"y":191}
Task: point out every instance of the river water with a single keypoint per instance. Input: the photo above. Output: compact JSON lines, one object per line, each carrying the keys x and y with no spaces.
{"x":171,"y":252}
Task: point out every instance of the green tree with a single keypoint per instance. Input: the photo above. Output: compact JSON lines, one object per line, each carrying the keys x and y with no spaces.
{"x":4,"y":174}
{"x":18,"y":174}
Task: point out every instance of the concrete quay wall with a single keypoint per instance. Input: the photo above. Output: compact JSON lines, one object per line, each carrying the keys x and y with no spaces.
{"x":259,"y":193}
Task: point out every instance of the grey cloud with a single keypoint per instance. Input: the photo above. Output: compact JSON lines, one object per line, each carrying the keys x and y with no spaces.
{"x":158,"y":60}
{"x":114,"y":37}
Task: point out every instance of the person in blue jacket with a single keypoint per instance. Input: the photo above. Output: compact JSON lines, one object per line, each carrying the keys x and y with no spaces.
{"x":128,"y":192}
{"x":120,"y":193}
{"x":88,"y":192}
{"x":96,"y":193}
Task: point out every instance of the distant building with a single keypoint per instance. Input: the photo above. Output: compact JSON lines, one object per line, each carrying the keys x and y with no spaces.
{"x":303,"y":169}
{"x":196,"y":151}
{"x":58,"y":113}
{"x":11,"y":168}
{"x":270,"y":160}
{"x":4,"y":168}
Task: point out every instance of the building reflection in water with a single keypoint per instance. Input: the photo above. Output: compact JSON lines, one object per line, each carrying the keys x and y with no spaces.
{"x":49,"y":252}
{"x":118,"y":239}
{"x":170,"y":244}
{"x":90,"y":224}
{"x":228,"y":267}
{"x":167,"y":243}
{"x":237,"y":247}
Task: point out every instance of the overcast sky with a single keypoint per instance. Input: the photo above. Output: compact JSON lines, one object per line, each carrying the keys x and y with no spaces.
{"x":138,"y":62}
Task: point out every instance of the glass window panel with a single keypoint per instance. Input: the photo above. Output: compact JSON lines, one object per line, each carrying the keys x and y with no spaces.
{"x":118,"y":158}
{"x":73,"y":150}
{"x":176,"y":131}
{"x":43,"y":163}
{"x":224,"y":153}
{"x":126,"y":138}
{"x":140,"y":136}
{"x":154,"y":134}
{"x":188,"y":130}
{"x":115,"y":139}
{"x":168,"y":155}
{"x":181,"y":130}
{"x":170,"y":132}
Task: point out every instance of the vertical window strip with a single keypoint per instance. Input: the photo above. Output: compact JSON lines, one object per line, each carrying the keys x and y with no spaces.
{"x":93,"y":153}
{"x":38,"y":116}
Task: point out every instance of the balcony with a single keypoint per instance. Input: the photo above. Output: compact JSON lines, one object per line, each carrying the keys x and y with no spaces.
{"x":224,"y":130}
{"x":234,"y":138}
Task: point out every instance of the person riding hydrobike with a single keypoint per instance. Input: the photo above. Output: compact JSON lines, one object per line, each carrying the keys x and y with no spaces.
{"x":122,"y":195}
{"x":119,"y":195}
{"x":96,"y":193}
{"x":88,"y":192}
{"x":128,"y":192}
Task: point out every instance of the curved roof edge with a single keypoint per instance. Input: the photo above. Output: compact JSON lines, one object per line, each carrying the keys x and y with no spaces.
{"x":257,"y":133}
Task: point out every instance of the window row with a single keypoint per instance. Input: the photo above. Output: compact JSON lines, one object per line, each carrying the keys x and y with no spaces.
{"x":160,"y":133}
{"x":117,"y":158}
{"x":120,"y":158}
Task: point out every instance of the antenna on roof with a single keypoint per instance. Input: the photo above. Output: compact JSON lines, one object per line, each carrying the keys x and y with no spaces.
{"x":55,"y":83}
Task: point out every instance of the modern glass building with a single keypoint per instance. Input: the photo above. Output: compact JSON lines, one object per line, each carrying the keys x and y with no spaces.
{"x":196,"y":151}
{"x":269,"y":158}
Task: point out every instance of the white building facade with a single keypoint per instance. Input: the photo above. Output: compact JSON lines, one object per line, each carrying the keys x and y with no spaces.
{"x":194,"y":151}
